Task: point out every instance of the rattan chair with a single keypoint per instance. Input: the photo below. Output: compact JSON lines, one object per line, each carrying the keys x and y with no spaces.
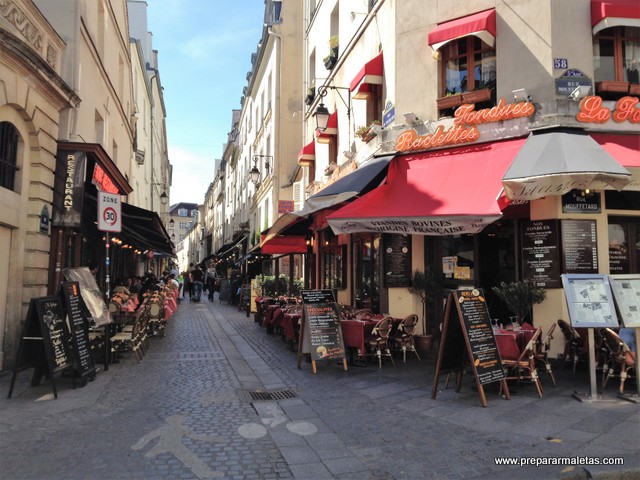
{"x":524,"y":367}
{"x":621,"y":359}
{"x":542,"y":351}
{"x":379,"y":340}
{"x":573,"y":343}
{"x":404,"y":337}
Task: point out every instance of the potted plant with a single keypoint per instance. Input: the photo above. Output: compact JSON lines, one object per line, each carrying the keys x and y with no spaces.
{"x":450,"y":100}
{"x":426,"y":287}
{"x":520,"y":297}
{"x":311,"y":94}
{"x":366,"y":134}
{"x":331,"y":59}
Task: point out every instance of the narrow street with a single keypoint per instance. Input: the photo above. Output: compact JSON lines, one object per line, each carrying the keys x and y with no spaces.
{"x":187,"y":411}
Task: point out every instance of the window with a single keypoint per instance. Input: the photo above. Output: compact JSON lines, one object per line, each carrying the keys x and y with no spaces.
{"x":624,"y":245}
{"x":182,"y":212}
{"x":273,"y":12}
{"x":468,"y":64}
{"x":9,"y":140}
{"x":616,"y":58}
{"x":366,"y":268}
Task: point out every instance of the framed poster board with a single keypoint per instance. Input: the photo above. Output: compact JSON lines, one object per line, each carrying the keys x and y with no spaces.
{"x":44,"y":345}
{"x":590,"y":301}
{"x":579,"y":246}
{"x":78,"y":328}
{"x":91,"y":295}
{"x":321,"y":332}
{"x":467,"y":334}
{"x":541,"y":253}
{"x":397,"y":260}
{"x":626,"y":293}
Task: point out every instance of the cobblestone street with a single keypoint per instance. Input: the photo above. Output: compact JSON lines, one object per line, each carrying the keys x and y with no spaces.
{"x":186,"y":411}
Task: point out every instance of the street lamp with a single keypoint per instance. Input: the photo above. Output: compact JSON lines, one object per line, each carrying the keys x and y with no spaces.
{"x":254,"y":173}
{"x":322,"y":113}
{"x":164,"y":198}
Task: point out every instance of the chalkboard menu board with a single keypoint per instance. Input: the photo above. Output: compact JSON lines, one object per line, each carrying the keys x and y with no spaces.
{"x":484,"y":350}
{"x":54,"y":335}
{"x":225,"y":290}
{"x":79,"y":328}
{"x":467,"y":330}
{"x":43,"y":345}
{"x":322,"y":323}
{"x":579,"y":246}
{"x":541,"y":253}
{"x":626,"y":293}
{"x":397,"y":260}
{"x":589,"y":301}
{"x":245,"y":298}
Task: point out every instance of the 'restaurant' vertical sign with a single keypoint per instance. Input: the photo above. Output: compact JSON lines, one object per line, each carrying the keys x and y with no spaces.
{"x":69,"y":189}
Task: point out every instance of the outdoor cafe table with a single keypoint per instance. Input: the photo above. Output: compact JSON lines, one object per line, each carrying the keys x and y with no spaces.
{"x":289,"y":324}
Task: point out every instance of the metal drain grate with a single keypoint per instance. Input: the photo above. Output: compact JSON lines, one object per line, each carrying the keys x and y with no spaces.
{"x":262,"y":396}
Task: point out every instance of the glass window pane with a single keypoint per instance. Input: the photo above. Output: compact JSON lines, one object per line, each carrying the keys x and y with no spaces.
{"x":603,"y":59}
{"x":485,"y":70}
{"x":618,"y":249}
{"x":631,"y":54}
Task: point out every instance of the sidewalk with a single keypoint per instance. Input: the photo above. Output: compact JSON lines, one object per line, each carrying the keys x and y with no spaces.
{"x":219,"y":398}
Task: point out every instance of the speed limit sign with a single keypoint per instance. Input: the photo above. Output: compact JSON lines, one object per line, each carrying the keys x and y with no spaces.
{"x":109,"y":212}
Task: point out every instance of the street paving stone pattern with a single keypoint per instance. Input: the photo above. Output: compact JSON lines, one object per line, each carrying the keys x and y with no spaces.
{"x":186,"y":412}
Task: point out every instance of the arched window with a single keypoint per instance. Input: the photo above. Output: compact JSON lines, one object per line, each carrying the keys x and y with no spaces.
{"x":9,"y":140}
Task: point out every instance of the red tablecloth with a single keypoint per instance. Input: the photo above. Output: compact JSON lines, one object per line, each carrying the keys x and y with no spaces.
{"x":289,"y":324}
{"x":356,"y":332}
{"x":507,"y":346}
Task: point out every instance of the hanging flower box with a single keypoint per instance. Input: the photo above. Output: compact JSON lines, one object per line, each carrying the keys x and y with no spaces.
{"x":611,"y":86}
{"x":311,"y":95}
{"x":477,"y":96}
{"x":449,"y":101}
{"x":330,"y":62}
{"x":367,"y":134}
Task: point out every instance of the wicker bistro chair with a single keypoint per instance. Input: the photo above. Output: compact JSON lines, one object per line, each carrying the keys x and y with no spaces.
{"x":621,"y":358}
{"x":573,"y":343}
{"x":543,"y":345}
{"x":524,"y":366}
{"x":155,"y":315}
{"x":404,"y":337}
{"x":379,"y":340}
{"x":129,"y":340}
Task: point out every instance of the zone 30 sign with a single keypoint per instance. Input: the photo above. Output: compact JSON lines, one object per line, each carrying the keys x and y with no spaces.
{"x":109,"y":212}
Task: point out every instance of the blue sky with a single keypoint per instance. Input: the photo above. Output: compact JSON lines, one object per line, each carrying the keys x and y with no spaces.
{"x":204,"y":53}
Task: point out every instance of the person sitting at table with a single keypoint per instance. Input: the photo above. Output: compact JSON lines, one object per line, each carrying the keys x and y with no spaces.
{"x":628,"y":336}
{"x":120,"y":287}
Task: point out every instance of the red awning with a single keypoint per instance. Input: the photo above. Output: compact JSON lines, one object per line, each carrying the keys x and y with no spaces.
{"x":482,"y":25}
{"x":626,"y":151}
{"x":442,"y":192}
{"x":371,"y":74}
{"x":307,"y":154}
{"x":613,"y":13}
{"x":331,"y":130}
{"x":285,"y":244}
